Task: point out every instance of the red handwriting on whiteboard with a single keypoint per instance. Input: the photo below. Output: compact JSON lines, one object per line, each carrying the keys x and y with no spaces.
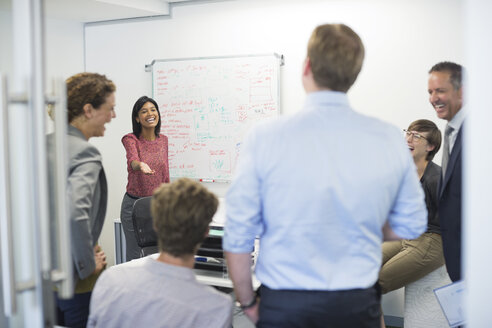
{"x":208,"y":106}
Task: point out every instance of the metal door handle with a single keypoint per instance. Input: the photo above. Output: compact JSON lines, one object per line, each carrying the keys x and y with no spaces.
{"x":64,"y":276}
{"x":6,"y":232}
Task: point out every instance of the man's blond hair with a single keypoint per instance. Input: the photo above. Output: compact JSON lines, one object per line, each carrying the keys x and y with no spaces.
{"x":336,"y":54}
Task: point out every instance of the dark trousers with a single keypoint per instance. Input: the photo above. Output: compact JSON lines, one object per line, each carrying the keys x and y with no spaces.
{"x":358,"y":308}
{"x":132,"y":248}
{"x":73,"y":312}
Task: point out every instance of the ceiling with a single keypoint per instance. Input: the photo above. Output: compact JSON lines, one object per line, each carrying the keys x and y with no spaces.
{"x":103,"y":10}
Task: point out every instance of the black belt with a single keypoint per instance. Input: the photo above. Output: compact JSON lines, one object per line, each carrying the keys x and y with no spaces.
{"x":132,"y":197}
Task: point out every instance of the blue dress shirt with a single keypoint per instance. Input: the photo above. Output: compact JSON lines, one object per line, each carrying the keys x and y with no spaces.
{"x":317,"y":187}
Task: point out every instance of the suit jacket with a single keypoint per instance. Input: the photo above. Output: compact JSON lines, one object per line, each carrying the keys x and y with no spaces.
{"x":450,"y":210}
{"x":86,"y":197}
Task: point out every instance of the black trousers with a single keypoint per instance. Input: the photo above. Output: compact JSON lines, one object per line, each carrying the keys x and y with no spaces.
{"x":73,"y":312}
{"x":358,"y":308}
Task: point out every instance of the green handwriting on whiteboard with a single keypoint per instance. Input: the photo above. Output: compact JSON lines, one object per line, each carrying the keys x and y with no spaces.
{"x":208,"y":106}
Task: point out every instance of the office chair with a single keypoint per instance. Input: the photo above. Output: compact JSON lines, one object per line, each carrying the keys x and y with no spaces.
{"x":147,"y":238}
{"x":143,"y":228}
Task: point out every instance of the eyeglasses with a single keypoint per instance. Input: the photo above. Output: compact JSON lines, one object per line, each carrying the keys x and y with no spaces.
{"x":414,"y":135}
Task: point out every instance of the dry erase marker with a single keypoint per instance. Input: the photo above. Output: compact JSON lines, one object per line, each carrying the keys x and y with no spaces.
{"x":207,"y":259}
{"x":207,"y":180}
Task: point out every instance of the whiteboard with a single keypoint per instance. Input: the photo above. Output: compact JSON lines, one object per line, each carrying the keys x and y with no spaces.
{"x":207,"y":107}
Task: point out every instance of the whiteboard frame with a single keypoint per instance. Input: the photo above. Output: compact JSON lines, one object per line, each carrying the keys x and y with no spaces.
{"x":149,"y":68}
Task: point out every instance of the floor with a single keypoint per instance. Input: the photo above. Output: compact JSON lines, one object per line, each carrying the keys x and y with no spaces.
{"x":240,"y":320}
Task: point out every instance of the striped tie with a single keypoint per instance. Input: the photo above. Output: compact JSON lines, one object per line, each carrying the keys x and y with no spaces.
{"x":446,"y":150}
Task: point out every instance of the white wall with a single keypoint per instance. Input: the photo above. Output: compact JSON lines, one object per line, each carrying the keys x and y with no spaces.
{"x":64,"y":50}
{"x":64,"y":53}
{"x":477,"y":176}
{"x":64,"y":47}
{"x":403,"y":39}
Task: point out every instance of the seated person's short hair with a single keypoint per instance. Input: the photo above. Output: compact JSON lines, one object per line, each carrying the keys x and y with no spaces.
{"x":182,"y":212}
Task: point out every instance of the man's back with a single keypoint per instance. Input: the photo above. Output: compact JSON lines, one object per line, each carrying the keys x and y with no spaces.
{"x":327,"y":179}
{"x":148,"y":293}
{"x":319,"y":188}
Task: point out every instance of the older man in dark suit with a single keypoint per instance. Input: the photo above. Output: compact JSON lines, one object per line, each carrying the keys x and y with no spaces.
{"x":446,"y":96}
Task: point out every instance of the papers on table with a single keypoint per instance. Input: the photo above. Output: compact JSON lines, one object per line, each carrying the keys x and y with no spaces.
{"x":450,"y":298}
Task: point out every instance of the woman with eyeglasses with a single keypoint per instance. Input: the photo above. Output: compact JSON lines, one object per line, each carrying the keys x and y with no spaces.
{"x":147,"y":164}
{"x":406,"y":261}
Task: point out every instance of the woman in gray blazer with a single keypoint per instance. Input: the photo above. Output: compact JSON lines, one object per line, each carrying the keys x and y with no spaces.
{"x":90,"y":102}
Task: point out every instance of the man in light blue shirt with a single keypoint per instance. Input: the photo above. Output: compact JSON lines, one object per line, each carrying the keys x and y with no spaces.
{"x":321,"y":189}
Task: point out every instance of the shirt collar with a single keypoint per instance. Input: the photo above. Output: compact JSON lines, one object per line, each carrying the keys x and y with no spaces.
{"x":327,"y":97}
{"x":73,"y":131}
{"x":458,"y":119}
{"x":175,"y":271}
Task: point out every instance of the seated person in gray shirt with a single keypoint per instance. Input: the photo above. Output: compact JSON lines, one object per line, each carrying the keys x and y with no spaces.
{"x":163,"y":291}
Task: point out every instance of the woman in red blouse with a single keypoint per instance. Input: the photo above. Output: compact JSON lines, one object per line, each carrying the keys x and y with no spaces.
{"x":147,"y":164}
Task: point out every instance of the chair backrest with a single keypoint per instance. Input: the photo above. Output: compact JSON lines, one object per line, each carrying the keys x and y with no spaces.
{"x":143,"y":226}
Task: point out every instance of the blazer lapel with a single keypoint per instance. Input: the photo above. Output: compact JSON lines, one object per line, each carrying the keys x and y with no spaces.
{"x":455,"y":155}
